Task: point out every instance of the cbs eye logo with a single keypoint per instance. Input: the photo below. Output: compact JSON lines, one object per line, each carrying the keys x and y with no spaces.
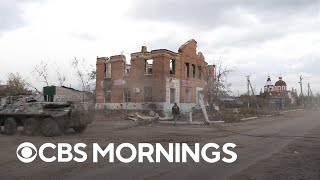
{"x":24,"y":152}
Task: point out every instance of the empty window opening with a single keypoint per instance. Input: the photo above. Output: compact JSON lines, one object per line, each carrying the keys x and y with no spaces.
{"x":148,"y":66}
{"x":199,"y":72}
{"x":147,"y":94}
{"x":127,"y":69}
{"x":172,"y":95}
{"x":107,"y":70}
{"x":187,"y":70}
{"x":108,"y":96}
{"x":127,"y":95}
{"x":187,"y":95}
{"x":193,"y":71}
{"x":172,"y":67}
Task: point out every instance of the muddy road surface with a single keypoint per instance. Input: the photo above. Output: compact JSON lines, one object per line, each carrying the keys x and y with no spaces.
{"x":282,"y":147}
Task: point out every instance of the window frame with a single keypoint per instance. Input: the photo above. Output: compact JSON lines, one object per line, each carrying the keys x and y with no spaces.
{"x":126,"y":95}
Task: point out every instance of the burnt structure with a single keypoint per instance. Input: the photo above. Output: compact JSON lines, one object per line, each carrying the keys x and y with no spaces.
{"x":153,"y":80}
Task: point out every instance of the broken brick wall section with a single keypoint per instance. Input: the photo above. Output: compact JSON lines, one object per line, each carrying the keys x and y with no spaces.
{"x":159,"y":77}
{"x":194,"y":71}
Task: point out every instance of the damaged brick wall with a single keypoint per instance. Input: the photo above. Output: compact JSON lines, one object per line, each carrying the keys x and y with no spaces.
{"x":168,"y":76}
{"x":190,"y":56}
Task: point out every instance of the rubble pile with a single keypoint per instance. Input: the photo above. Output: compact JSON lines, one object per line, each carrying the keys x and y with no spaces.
{"x":142,"y":118}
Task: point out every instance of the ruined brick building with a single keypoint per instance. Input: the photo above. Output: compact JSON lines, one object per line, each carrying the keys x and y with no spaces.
{"x":153,"y":80}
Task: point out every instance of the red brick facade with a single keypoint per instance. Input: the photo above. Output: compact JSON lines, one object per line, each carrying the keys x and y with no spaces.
{"x":172,"y":77}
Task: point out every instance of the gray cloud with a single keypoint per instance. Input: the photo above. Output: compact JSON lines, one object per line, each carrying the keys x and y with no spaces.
{"x":254,"y":21}
{"x":85,"y":36}
{"x":311,"y":64}
{"x":164,"y":43}
{"x":212,"y":13}
{"x":226,"y":24}
{"x":11,"y":14}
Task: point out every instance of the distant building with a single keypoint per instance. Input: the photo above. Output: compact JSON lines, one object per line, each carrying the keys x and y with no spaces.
{"x":64,"y":94}
{"x":269,"y":87}
{"x":278,"y":89}
{"x":278,"y":92}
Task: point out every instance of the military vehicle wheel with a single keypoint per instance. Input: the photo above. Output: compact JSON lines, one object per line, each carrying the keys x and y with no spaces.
{"x":50,"y":127}
{"x":80,"y":129}
{"x":31,"y":126}
{"x":10,"y":126}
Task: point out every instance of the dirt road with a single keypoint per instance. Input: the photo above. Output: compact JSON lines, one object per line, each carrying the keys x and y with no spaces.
{"x":267,"y":148}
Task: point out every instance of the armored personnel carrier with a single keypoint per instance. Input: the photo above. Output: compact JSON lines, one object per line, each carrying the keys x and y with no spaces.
{"x":47,"y":118}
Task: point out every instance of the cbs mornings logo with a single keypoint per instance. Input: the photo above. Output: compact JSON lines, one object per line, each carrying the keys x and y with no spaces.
{"x":175,"y":153}
{"x":25,"y":155}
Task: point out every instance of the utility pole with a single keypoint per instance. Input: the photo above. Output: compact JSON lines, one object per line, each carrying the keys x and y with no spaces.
{"x":248,"y":89}
{"x":253,"y":94}
{"x":308,"y":92}
{"x":301,"y":93}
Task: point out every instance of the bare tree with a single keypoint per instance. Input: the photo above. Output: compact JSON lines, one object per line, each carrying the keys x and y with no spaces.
{"x":85,"y":72}
{"x":218,"y":86}
{"x":61,"y":76}
{"x":41,"y":70}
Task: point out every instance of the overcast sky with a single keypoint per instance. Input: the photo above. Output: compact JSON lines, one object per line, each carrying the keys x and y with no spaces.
{"x":258,"y":37}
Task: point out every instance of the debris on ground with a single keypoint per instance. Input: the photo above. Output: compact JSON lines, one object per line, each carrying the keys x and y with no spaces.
{"x":235,"y":111}
{"x":249,"y":118}
{"x":152,"y":113}
{"x":228,"y":115}
{"x":136,"y":116}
